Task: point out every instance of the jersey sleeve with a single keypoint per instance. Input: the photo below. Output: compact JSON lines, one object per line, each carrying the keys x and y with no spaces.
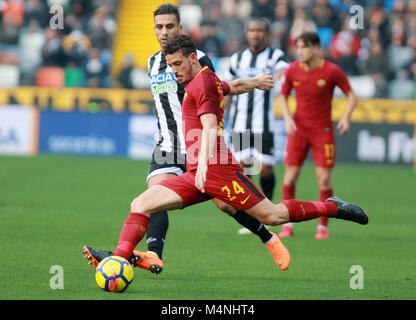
{"x":287,"y":83}
{"x":225,"y":88}
{"x":207,"y":96}
{"x":341,"y":80}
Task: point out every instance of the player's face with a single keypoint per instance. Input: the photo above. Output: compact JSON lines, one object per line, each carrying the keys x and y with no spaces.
{"x":305,"y":52}
{"x":182,"y":67}
{"x":257,"y":36}
{"x":166,"y":26}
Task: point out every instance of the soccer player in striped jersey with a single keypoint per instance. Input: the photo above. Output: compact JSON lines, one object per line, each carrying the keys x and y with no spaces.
{"x":251,"y":122}
{"x":313,"y":80}
{"x":168,"y":158}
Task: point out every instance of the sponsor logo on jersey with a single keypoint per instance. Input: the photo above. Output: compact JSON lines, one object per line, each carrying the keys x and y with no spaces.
{"x":163,"y":82}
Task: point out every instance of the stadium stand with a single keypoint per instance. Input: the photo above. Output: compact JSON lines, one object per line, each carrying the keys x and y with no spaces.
{"x":97,"y":36}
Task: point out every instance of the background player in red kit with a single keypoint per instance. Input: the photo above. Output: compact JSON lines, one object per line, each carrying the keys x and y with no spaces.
{"x":314,"y":80}
{"x":212,"y":171}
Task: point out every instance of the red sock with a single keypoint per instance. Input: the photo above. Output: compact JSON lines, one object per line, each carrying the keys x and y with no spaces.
{"x":307,"y":210}
{"x":288,"y":192}
{"x":133,"y":230}
{"x":323,"y":195}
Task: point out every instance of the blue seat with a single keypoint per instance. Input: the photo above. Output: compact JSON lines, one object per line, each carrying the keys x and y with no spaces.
{"x":325,"y":34}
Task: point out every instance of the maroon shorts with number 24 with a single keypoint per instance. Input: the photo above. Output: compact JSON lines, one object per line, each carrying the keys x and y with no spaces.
{"x":225,"y":182}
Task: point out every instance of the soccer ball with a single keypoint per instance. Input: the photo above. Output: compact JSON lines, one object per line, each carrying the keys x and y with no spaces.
{"x":114,"y":274}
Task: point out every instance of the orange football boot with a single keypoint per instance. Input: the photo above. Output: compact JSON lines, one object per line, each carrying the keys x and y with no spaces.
{"x":149,"y":261}
{"x":279,"y":252}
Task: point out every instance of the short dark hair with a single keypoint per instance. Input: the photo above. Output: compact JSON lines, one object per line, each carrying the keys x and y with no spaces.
{"x":265,"y":22}
{"x":168,"y":8}
{"x":181,"y":42}
{"x":309,"y":38}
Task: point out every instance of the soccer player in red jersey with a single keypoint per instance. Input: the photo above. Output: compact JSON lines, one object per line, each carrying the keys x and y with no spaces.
{"x":212,"y":170}
{"x":313,"y":80}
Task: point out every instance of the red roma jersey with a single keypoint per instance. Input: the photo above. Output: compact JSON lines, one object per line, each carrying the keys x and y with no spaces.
{"x":314,"y":90}
{"x":204,"y":94}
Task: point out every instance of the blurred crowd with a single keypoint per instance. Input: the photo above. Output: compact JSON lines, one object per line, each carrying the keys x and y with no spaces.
{"x":81,"y":50}
{"x":381,"y":46}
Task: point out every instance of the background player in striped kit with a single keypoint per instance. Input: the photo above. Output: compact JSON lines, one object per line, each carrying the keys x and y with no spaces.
{"x":168,"y":159}
{"x":313,"y":80}
{"x":251,"y":123}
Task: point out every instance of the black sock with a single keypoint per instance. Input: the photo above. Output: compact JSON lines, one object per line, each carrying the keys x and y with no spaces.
{"x":156,"y":232}
{"x":253,"y":225}
{"x":267,"y":185}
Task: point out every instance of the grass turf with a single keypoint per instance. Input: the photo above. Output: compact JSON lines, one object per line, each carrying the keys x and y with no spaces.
{"x":50,"y":206}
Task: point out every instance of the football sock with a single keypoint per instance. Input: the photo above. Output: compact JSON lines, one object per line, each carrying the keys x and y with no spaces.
{"x":323,"y":195}
{"x":288,"y":192}
{"x":133,"y":231}
{"x":253,"y":225}
{"x":156,"y":232}
{"x":267,"y":185}
{"x":307,"y":210}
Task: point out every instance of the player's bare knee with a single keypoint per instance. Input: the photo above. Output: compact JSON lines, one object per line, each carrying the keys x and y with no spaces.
{"x":137,"y":205}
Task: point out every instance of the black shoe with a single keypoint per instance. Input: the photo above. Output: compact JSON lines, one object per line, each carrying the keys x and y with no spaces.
{"x":95,"y":256}
{"x":349,"y":211}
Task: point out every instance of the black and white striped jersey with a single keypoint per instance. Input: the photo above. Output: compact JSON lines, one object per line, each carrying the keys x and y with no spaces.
{"x":168,"y":95}
{"x":254,"y":110}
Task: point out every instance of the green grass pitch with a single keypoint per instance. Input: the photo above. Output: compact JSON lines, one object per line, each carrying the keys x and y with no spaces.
{"x":50,"y":206}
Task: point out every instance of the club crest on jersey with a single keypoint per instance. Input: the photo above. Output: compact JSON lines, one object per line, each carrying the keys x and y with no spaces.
{"x":321,"y":83}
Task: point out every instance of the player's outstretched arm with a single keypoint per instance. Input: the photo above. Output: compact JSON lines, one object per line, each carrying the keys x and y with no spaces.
{"x":344,"y":123}
{"x":263,"y":81}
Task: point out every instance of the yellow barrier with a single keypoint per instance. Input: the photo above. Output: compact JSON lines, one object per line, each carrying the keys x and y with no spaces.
{"x":140,"y":101}
{"x":71,"y":99}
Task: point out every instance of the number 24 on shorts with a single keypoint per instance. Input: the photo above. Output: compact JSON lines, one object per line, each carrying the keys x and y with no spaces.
{"x":237,"y":190}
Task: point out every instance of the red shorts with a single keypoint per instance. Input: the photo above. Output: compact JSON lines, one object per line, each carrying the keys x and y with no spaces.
{"x":225,"y":182}
{"x":322,"y":141}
